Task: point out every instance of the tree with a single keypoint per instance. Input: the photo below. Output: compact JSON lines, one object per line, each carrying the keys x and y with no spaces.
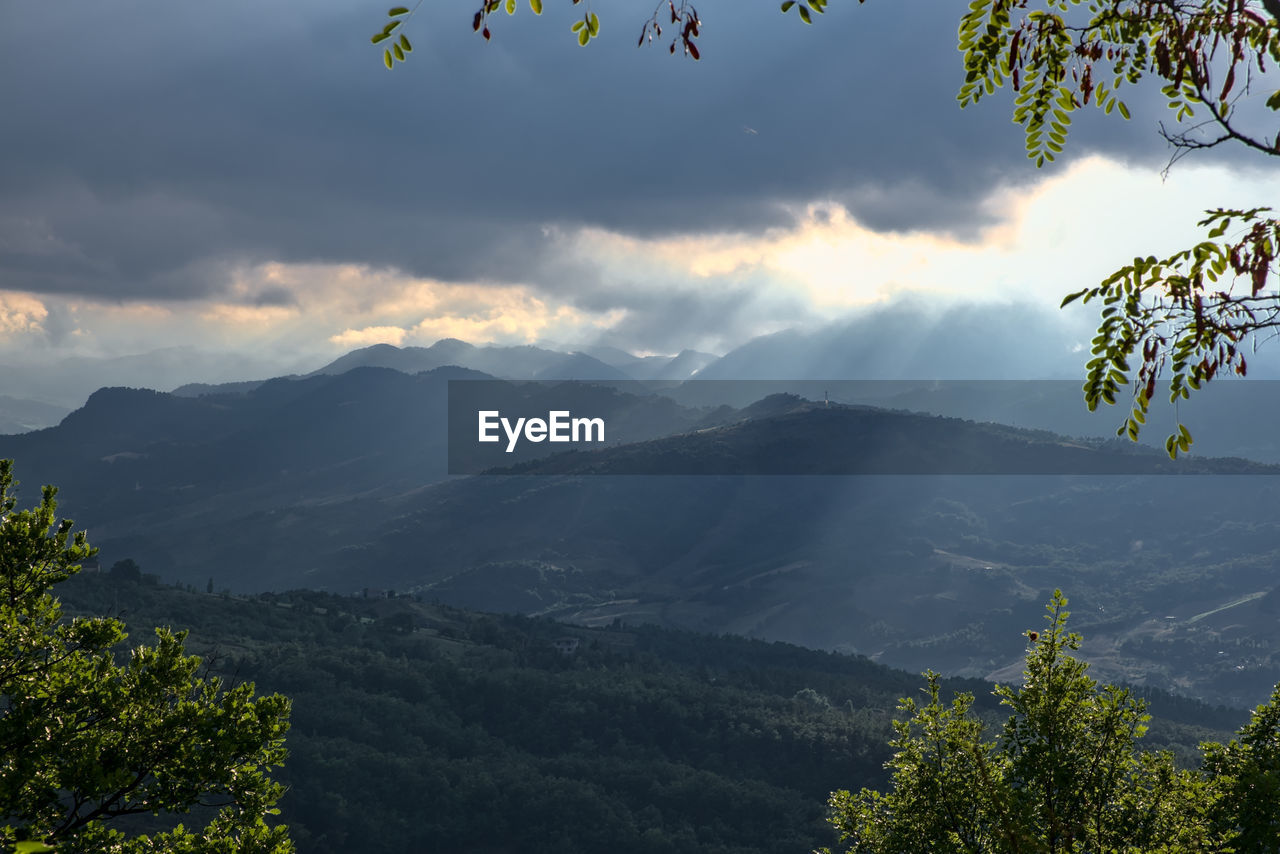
{"x":1190,"y":316}
{"x":1063,"y":775}
{"x":126,"y":570}
{"x":86,"y":741}
{"x":1248,"y":769}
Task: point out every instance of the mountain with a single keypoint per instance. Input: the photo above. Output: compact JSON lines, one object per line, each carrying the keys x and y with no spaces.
{"x":617,"y":357}
{"x":1228,"y":417}
{"x":580,"y":366}
{"x":684,"y":365}
{"x":20,"y":415}
{"x":787,"y":435}
{"x":134,"y":462}
{"x":68,"y":382}
{"x":238,"y":387}
{"x":523,"y":362}
{"x":909,"y":342}
{"x":409,"y":360}
{"x":244,"y":474}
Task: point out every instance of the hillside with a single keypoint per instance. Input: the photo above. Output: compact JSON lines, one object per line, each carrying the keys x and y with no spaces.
{"x":785,"y":435}
{"x":423,"y":728}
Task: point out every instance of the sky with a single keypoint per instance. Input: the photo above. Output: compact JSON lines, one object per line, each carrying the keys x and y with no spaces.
{"x":246,"y":179}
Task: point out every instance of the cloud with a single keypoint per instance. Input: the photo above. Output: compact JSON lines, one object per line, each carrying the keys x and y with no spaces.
{"x":349,"y":339}
{"x":166,"y":166}
{"x":21,"y":314}
{"x":663,"y":293}
{"x":269,"y":187}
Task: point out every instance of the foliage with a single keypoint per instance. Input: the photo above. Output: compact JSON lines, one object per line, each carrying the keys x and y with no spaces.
{"x":1063,"y":775}
{"x":1248,"y":772}
{"x":1061,"y":54}
{"x":86,"y":741}
{"x":1192,"y":312}
{"x":683,"y":17}
{"x":1169,"y":310}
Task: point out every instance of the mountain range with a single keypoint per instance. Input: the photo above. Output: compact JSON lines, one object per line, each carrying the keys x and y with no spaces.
{"x":338,"y":480}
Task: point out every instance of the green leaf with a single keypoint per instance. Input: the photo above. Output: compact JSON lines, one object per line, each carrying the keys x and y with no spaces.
{"x":584,"y":35}
{"x":386,"y":58}
{"x":536,"y":6}
{"x":804,"y":14}
{"x":404,"y":43}
{"x":511,"y":7}
{"x":1070,"y":298}
{"x":380,"y":37}
{"x":577,"y":25}
{"x":1274,"y":101}
{"x":398,"y":51}
{"x":1124,"y":111}
{"x":594,"y":24}
{"x":398,"y":10}
{"x":30,"y":846}
{"x":786,"y":7}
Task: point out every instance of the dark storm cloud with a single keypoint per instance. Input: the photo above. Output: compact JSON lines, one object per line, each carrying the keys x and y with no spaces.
{"x":273,"y":296}
{"x":168,"y":143}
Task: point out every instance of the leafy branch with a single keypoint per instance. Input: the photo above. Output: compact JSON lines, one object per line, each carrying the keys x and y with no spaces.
{"x":396,"y":52}
{"x":1191,"y":313}
{"x":1059,"y":58}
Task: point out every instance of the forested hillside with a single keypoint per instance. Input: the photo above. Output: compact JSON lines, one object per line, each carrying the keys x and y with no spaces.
{"x":423,"y":728}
